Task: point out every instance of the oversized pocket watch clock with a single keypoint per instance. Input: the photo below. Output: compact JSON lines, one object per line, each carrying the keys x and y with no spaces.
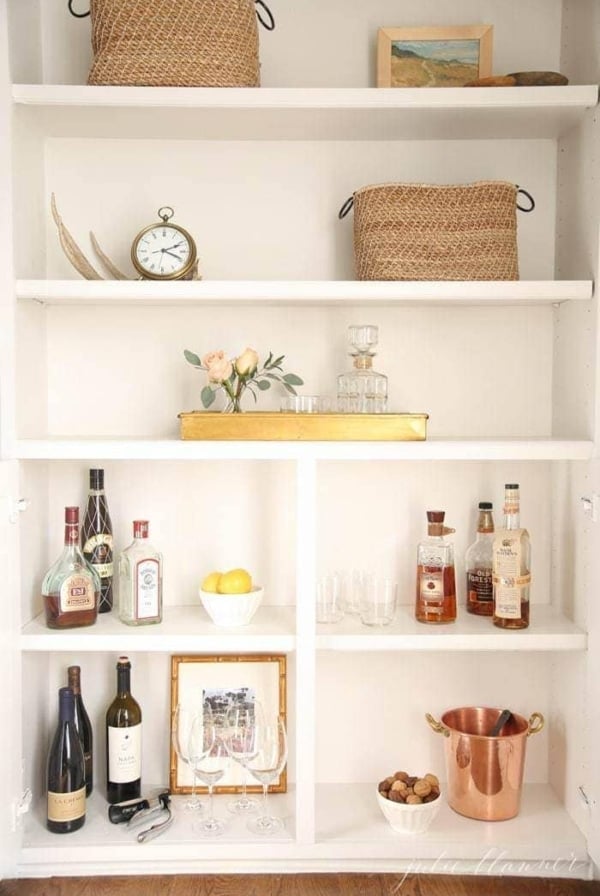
{"x":164,"y":251}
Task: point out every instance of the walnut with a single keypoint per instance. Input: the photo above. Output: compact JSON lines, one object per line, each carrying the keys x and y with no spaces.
{"x":413,"y":799}
{"x":422,"y":787}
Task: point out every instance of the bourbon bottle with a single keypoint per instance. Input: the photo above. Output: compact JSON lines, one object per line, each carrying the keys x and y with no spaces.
{"x":71,"y":587}
{"x":511,"y":573}
{"x":478,"y":564}
{"x":436,"y":581}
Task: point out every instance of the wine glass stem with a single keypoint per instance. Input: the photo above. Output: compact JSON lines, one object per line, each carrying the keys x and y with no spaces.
{"x":211,"y":813}
{"x":265,"y":800}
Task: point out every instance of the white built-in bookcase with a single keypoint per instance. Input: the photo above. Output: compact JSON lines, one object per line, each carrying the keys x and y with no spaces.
{"x":92,"y":374}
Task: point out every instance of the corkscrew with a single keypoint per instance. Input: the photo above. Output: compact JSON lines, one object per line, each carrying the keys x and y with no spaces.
{"x":138,"y":811}
{"x":162,"y":811}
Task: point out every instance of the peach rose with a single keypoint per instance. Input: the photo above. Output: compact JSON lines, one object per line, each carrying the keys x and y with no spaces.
{"x":247,"y":362}
{"x":218,"y":365}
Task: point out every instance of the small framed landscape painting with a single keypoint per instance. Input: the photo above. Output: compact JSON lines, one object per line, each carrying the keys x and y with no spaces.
{"x":433,"y":57}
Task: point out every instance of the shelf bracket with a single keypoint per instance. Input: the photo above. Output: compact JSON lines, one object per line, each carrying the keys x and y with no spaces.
{"x":20,"y":808}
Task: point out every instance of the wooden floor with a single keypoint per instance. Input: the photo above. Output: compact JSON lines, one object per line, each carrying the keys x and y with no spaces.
{"x":299,"y":885}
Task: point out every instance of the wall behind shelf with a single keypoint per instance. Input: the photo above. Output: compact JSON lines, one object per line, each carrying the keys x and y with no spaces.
{"x":263,"y":210}
{"x":200,"y":520}
{"x":314,"y":44}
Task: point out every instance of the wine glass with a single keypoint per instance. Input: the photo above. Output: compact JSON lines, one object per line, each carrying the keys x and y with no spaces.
{"x":209,"y":759}
{"x":266,"y":759}
{"x":181,"y":727}
{"x":239,"y":721}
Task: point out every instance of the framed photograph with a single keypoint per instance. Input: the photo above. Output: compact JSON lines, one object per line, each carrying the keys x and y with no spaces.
{"x":221,"y":681}
{"x":433,"y":57}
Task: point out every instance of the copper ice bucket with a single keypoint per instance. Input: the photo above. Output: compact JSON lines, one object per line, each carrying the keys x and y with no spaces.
{"x":485,"y":772}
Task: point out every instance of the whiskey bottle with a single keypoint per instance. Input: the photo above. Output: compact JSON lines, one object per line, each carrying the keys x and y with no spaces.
{"x":511,"y":572}
{"x":436,"y":581}
{"x":478,"y":564}
{"x":140,"y":579}
{"x":71,"y":587}
{"x":362,"y":390}
{"x":97,"y":538}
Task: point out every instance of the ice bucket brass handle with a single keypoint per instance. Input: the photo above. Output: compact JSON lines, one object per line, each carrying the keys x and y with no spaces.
{"x":437,"y":726}
{"x":535,"y":724}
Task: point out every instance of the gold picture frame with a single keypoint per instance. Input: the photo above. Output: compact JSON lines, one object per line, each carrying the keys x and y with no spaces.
{"x":195,"y":678}
{"x":433,"y":57}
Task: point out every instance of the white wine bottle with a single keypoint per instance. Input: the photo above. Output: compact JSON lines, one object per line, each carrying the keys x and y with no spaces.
{"x":123,"y":740}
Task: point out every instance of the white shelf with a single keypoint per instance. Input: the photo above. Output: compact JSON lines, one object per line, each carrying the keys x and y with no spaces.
{"x":175,"y":449}
{"x":349,"y":822}
{"x":306,"y":113}
{"x":301,"y":293}
{"x":541,"y":841}
{"x":183,"y":630}
{"x":548,"y":630}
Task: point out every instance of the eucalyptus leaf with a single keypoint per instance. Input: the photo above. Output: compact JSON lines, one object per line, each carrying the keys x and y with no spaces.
{"x":192,"y":358}
{"x":292,"y":380}
{"x":208,"y":396}
{"x":263,"y":385}
{"x":278,"y":361}
{"x":289,"y":389}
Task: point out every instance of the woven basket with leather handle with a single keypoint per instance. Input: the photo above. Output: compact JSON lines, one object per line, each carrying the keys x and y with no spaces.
{"x":436,"y":232}
{"x":175,"y":43}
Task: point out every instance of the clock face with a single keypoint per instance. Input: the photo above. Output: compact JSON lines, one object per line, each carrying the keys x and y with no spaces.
{"x":163,"y":251}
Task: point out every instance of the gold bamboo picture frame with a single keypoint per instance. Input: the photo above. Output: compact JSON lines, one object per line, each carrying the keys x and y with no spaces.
{"x":221,"y":679}
{"x":433,"y":57}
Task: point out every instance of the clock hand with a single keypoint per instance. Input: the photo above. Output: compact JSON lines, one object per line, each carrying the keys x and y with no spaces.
{"x":172,"y":254}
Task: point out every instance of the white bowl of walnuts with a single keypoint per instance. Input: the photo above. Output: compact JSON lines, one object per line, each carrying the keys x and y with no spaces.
{"x":408,"y":802}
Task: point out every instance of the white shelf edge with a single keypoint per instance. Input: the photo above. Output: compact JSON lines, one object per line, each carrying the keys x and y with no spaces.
{"x":183,"y":629}
{"x":303,"y":293}
{"x":176,"y":449}
{"x":548,"y":631}
{"x":270,"y":98}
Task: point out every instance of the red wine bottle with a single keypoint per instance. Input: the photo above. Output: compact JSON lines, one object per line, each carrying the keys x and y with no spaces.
{"x":97,"y":539}
{"x":123,"y":740}
{"x":65,"y":776}
{"x":84,"y":727}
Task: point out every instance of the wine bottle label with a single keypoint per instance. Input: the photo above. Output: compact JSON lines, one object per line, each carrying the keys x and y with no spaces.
{"x":124,"y":754}
{"x":147,"y":584}
{"x":77,"y":593}
{"x":66,"y":806}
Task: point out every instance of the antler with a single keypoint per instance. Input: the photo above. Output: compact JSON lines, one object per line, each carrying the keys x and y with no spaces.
{"x":108,"y":264}
{"x":71,"y":249}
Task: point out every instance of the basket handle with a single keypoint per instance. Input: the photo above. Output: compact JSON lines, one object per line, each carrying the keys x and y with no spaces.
{"x":531,"y":200}
{"x":78,"y":15}
{"x":269,"y":23}
{"x":346,"y":208}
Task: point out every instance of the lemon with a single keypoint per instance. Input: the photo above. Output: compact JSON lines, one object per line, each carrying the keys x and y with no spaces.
{"x":211,"y":582}
{"x":235,"y":581}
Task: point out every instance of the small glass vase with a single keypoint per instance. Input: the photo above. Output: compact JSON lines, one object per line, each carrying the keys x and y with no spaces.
{"x":233,"y":405}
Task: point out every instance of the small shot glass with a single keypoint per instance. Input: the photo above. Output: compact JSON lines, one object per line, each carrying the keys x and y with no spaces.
{"x":300,"y":404}
{"x":329,"y":599}
{"x":378,"y":601}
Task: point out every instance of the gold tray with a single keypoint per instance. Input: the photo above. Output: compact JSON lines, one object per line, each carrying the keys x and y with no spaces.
{"x":281,"y":426}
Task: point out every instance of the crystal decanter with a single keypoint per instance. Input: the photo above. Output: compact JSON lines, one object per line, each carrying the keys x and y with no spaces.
{"x":362,"y":390}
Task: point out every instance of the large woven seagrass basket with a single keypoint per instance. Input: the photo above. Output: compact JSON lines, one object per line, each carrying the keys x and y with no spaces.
{"x":436,"y":232}
{"x":176,"y":43}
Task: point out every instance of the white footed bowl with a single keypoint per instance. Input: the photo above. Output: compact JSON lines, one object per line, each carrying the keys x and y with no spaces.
{"x":231,"y":610}
{"x":409,"y":818}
